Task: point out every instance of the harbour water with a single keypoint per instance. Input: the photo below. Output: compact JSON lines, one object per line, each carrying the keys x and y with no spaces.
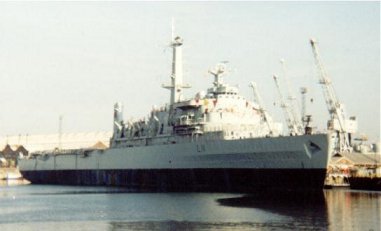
{"x":42,"y":207}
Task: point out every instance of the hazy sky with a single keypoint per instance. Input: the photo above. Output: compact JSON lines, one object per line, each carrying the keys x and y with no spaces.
{"x":78,"y":58}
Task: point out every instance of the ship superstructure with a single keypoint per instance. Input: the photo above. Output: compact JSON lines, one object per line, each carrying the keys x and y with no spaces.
{"x":219,"y":113}
{"x":215,"y":141}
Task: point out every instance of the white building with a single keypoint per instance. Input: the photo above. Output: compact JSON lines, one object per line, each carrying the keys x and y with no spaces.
{"x":52,"y":141}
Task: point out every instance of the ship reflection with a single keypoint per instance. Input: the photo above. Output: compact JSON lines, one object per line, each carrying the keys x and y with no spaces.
{"x":182,"y":225}
{"x":327,"y":210}
{"x":298,"y":211}
{"x":308,"y":210}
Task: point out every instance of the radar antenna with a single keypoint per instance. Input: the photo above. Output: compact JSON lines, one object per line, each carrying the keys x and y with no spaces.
{"x":218,"y":71}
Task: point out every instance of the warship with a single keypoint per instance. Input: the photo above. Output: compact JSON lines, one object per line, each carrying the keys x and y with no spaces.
{"x":216,"y":141}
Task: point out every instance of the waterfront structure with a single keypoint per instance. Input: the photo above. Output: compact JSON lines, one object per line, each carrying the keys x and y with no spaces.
{"x":9,"y":155}
{"x":44,"y":142}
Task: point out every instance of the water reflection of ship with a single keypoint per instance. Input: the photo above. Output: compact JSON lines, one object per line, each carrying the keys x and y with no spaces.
{"x":308,"y":210}
{"x":183,"y":225}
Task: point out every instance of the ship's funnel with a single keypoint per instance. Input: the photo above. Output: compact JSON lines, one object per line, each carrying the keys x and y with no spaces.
{"x":118,"y":112}
{"x":118,"y":118}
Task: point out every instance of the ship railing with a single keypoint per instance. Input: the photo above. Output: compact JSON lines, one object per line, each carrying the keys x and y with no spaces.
{"x":239,"y":131}
{"x":233,"y":127}
{"x":61,"y":152}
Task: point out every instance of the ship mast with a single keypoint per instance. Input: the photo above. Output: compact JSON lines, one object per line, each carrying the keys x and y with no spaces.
{"x":176,"y":87}
{"x":303,"y":92}
{"x":60,"y":132}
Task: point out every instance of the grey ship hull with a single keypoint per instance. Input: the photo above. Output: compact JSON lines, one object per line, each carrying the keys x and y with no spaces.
{"x":285,"y":163}
{"x":187,"y":180}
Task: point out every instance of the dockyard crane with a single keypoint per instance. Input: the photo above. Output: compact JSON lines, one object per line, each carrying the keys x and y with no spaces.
{"x":293,"y":105}
{"x":291,"y":124}
{"x":338,"y":122}
{"x":262,"y":110}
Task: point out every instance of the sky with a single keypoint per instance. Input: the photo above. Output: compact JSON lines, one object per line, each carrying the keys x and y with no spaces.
{"x":76,"y":59}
